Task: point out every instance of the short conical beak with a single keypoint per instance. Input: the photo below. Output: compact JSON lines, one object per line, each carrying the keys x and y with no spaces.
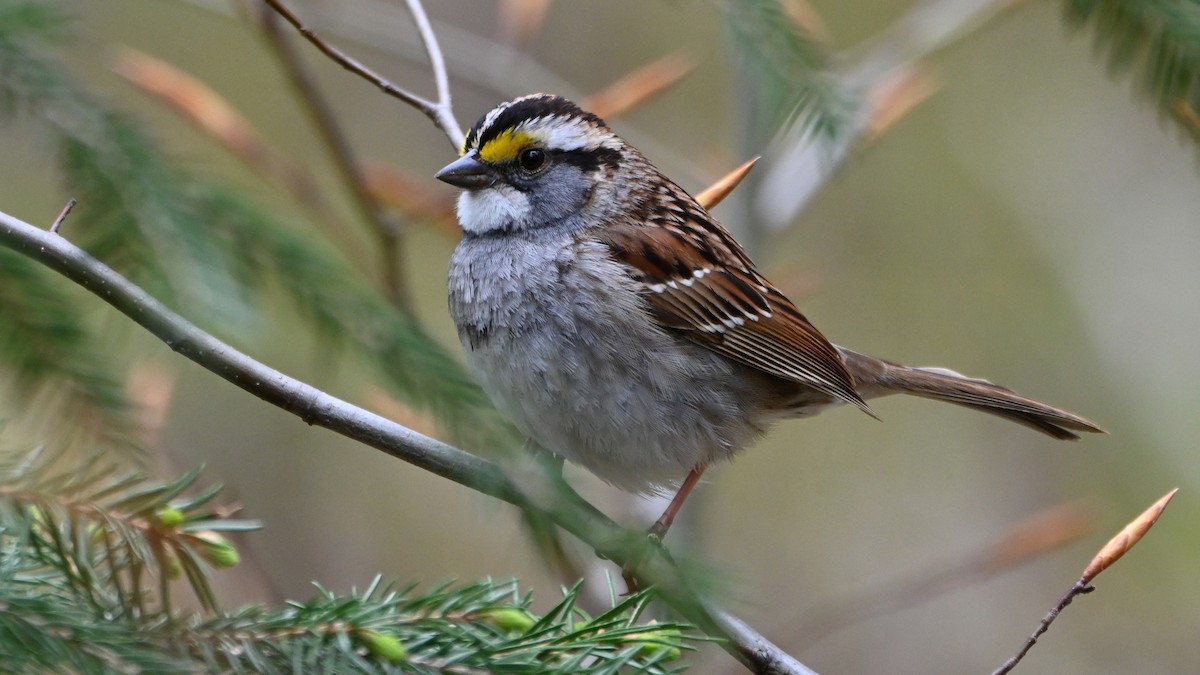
{"x":467,"y":172}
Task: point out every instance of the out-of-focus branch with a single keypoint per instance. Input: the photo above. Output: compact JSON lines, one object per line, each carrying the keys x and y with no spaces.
{"x":207,"y":110}
{"x":384,"y":226}
{"x":639,"y":85}
{"x":1041,"y":533}
{"x":533,"y":488}
{"x":440,"y":112}
{"x":888,"y":76}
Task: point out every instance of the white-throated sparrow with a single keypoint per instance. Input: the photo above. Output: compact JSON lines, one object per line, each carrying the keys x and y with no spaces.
{"x":624,"y":329}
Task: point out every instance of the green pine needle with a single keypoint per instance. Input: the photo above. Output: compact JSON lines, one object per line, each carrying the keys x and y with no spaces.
{"x":1156,"y":40}
{"x":48,"y":355}
{"x":795,"y":80}
{"x":86,"y":550}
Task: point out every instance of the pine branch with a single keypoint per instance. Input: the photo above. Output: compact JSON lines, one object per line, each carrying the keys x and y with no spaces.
{"x":86,"y":550}
{"x":26,"y":82}
{"x":796,"y":80}
{"x":1158,"y":41}
{"x":135,"y":212}
{"x":485,"y":627}
{"x":98,"y":528}
{"x":47,"y":354}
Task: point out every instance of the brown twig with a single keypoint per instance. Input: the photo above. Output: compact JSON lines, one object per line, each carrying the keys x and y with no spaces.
{"x":383,"y":225}
{"x":439,"y":112}
{"x":1116,"y":547}
{"x":717,"y":192}
{"x":62,"y":215}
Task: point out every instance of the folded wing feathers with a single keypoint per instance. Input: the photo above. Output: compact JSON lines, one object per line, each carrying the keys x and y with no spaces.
{"x":698,"y":280}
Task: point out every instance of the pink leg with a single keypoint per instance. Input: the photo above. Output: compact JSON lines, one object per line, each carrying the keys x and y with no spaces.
{"x":660,"y":527}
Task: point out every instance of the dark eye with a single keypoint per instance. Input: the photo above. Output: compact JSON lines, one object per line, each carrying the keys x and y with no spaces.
{"x":532,"y":159}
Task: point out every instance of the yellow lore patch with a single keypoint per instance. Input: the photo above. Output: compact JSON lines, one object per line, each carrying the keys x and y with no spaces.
{"x":504,"y":147}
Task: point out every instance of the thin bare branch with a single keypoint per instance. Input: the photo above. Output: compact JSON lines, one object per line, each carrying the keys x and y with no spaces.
{"x":444,"y":110}
{"x":387,"y":230}
{"x":491,"y":66}
{"x":441,"y":115}
{"x":528,"y":487}
{"x":1111,"y":552}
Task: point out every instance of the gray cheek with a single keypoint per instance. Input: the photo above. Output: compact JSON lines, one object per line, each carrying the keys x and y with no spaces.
{"x":561,"y":192}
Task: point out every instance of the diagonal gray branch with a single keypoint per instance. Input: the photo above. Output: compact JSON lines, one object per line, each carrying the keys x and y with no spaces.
{"x":439,"y":112}
{"x":528,"y":488}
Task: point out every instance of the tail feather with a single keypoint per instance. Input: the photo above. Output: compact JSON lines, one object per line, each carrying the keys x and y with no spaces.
{"x":877,"y":377}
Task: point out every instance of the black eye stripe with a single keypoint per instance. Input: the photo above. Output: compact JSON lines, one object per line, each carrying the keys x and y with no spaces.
{"x":588,"y":160}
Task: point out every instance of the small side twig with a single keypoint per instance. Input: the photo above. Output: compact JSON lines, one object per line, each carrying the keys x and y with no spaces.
{"x":1116,"y":547}
{"x":439,"y":112}
{"x":62,"y":215}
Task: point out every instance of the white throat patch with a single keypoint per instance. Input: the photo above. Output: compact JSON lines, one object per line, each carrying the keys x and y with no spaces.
{"x":490,"y":209}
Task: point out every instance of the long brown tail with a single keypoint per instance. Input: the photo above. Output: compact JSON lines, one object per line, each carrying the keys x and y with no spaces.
{"x":876,"y":377}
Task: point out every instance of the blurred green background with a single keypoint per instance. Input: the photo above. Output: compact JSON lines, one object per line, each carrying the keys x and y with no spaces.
{"x":1032,"y":222}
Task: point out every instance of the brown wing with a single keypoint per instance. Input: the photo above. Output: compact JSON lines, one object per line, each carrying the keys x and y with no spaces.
{"x":700,"y":282}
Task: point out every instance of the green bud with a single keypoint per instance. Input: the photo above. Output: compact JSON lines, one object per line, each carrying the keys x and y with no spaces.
{"x":169,"y":516}
{"x":217,"y":550}
{"x":381,"y":646}
{"x":507,"y":619}
{"x":658,"y":642}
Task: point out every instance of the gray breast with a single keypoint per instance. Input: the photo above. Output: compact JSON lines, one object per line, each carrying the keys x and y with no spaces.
{"x":562,"y":343}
